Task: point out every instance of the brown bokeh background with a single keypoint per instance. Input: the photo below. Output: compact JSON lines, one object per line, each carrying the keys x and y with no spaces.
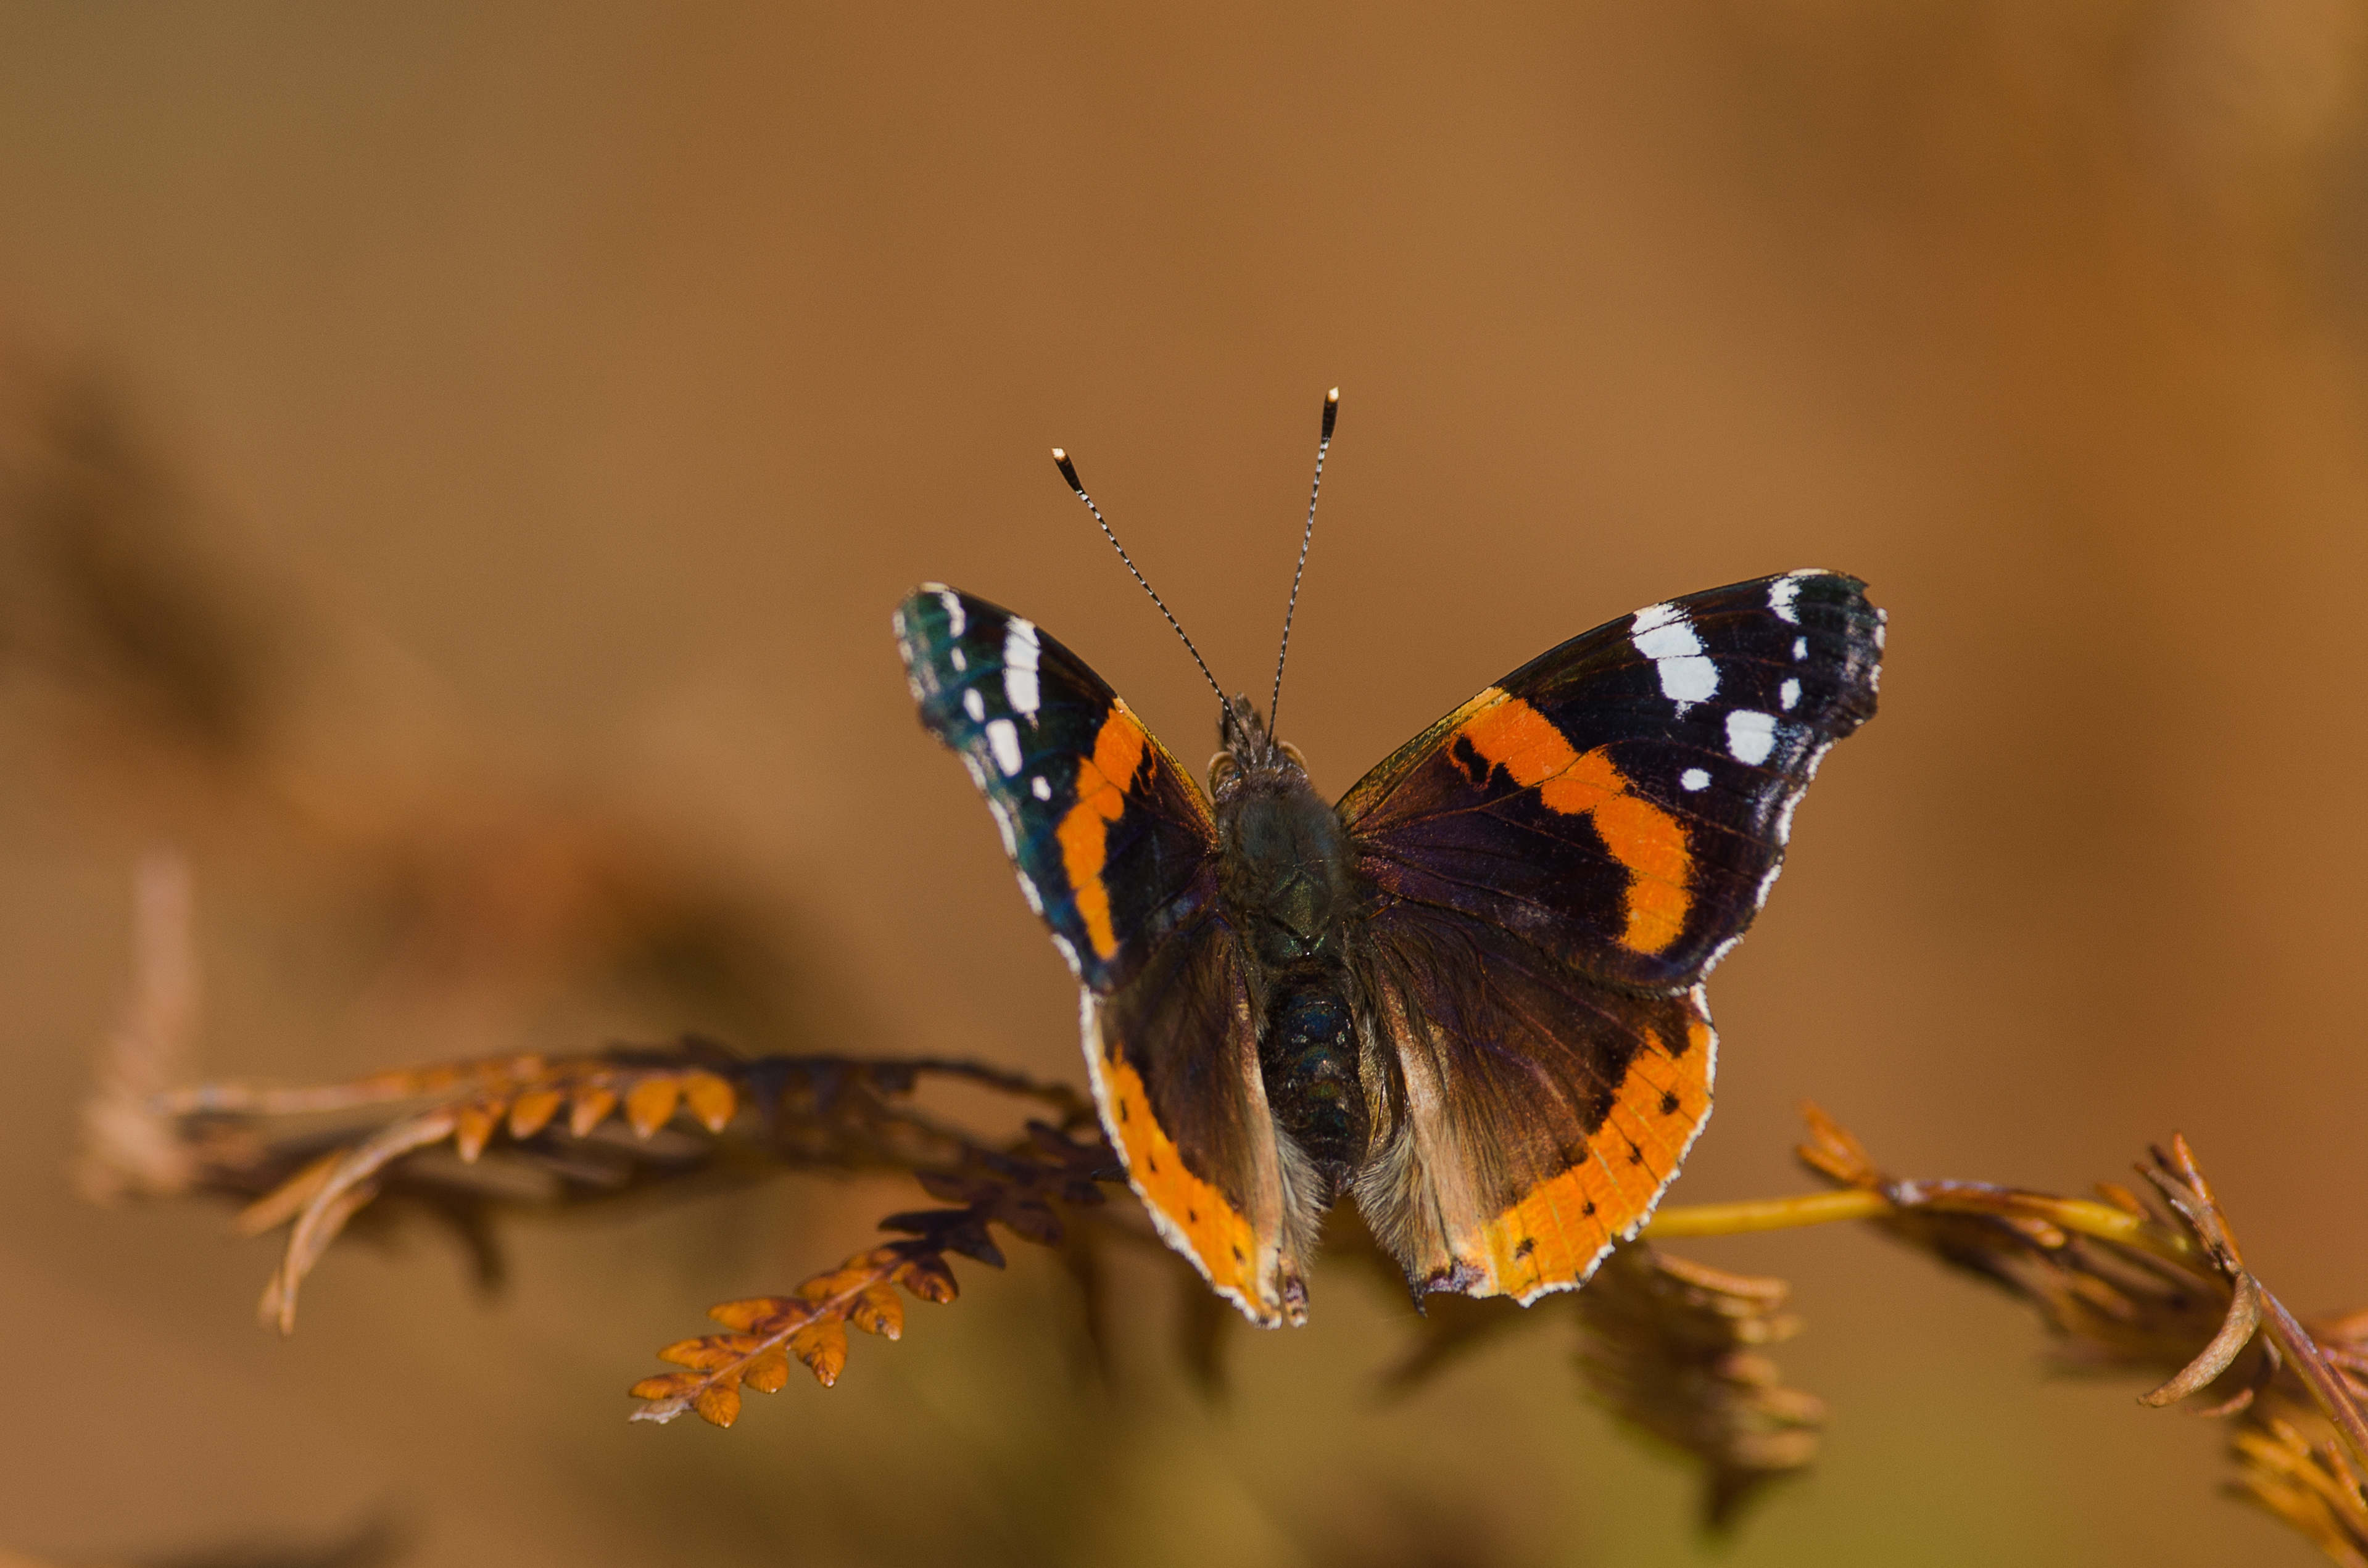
{"x":557,"y":399}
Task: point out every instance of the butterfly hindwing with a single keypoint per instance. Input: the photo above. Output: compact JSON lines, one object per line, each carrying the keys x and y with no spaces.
{"x":1543,"y":1112}
{"x":1175,"y":1065}
{"x":1116,"y":850}
{"x":1623,"y":801}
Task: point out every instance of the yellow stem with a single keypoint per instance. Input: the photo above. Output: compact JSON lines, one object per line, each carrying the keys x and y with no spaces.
{"x":2085,"y":1215}
{"x":1768,"y":1213}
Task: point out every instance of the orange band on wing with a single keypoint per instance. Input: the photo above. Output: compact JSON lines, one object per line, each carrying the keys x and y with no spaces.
{"x":1647,"y":840}
{"x":1554,"y":1234}
{"x":1084,"y":833}
{"x":1220,"y":1236}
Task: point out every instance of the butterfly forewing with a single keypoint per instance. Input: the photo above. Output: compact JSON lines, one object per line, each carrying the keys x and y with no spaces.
{"x":1112,"y":838}
{"x":1623,"y":801}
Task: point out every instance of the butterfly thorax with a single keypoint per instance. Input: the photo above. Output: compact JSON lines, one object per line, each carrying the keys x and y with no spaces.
{"x":1288,"y":889}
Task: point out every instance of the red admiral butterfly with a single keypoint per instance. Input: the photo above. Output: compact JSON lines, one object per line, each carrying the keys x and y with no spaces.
{"x":1469,"y":995}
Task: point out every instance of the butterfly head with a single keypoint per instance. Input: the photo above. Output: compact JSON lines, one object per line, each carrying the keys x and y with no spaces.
{"x":1251,"y":756}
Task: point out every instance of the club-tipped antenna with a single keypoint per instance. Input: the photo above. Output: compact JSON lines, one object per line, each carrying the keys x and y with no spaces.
{"x":1323,"y":445}
{"x":1069,"y":473}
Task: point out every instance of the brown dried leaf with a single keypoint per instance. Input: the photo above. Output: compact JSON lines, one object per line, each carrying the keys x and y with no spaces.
{"x":711,"y":1099}
{"x":473,"y":1126}
{"x":591,"y":1107}
{"x":822,"y":1348}
{"x":532,"y":1111}
{"x":710,"y":1351}
{"x":650,"y":1103}
{"x":768,"y":1373}
{"x":1672,"y":1350}
{"x":341,"y":1192}
{"x":2311,"y":1486}
{"x":758,"y":1313}
{"x":666,"y":1385}
{"x":878,"y":1311}
{"x":2237,"y":1331}
{"x":930,"y":1279}
{"x":287,"y":1200}
{"x":719,"y":1404}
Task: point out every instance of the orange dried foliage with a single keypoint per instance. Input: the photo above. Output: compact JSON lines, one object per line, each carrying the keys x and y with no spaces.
{"x":1020,"y":1190}
{"x":1675,"y":1349}
{"x":2161,"y":1286}
{"x":691,"y":1111}
{"x":1678,"y":1350}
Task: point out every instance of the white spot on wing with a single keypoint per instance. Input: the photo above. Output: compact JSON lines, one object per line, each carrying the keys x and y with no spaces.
{"x":1693,"y":779}
{"x":1792,"y":801}
{"x":1027,"y":890}
{"x":1042,"y":786}
{"x":977,"y":774}
{"x":1002,"y":815}
{"x":1069,"y":954}
{"x":955,"y":619}
{"x":960,"y":662}
{"x":1019,"y":649}
{"x":1663,"y":635}
{"x":1789,"y":694}
{"x":974,"y":705}
{"x":1800,"y":647}
{"x":1781,"y":593}
{"x":1750,"y":735}
{"x":1003,"y":737}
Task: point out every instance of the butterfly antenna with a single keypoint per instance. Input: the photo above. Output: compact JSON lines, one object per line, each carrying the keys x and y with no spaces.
{"x":1069,"y":473}
{"x":1323,"y":445}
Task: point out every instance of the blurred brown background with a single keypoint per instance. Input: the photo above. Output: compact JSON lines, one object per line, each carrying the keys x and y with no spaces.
{"x":542,"y":407}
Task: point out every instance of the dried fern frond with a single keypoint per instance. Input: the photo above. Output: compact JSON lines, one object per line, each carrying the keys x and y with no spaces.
{"x":2160,"y":1287}
{"x":464,"y":1142}
{"x":1019,"y":1191}
{"x":1678,"y":1350}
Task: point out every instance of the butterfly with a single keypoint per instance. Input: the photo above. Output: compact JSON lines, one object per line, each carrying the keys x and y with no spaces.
{"x":1468,"y":995}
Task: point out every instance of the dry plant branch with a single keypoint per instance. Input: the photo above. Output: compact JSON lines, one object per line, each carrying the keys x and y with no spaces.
{"x":526,"y":1132}
{"x":1674,"y":1350}
{"x":1677,"y":1350}
{"x":1020,"y":1191}
{"x":2121,"y":1282}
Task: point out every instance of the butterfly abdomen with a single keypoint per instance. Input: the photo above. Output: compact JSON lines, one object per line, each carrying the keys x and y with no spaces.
{"x":1289,"y":893}
{"x":1308,"y":1056}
